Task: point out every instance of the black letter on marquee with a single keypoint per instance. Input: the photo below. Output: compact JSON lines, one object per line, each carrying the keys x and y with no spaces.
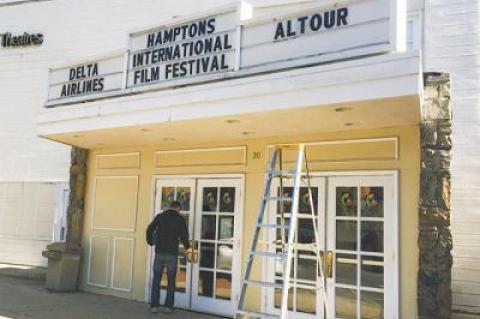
{"x":342,"y":16}
{"x":72,"y":74}
{"x":316,"y":22}
{"x":279,"y":33}
{"x":100,"y":83}
{"x":211,"y":25}
{"x":329,"y":19}
{"x":150,"y":40}
{"x":302,"y":24}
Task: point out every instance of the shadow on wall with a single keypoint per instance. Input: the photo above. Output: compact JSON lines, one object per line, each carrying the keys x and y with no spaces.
{"x":23,"y":271}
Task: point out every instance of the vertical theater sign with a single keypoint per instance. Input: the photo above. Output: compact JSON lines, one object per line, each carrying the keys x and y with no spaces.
{"x":218,"y":45}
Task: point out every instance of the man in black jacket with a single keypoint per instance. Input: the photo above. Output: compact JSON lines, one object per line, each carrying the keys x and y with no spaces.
{"x":165,"y":232}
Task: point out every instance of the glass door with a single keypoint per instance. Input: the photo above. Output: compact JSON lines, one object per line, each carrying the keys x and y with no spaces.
{"x":358,"y":228}
{"x":182,"y":190}
{"x":304,"y":299}
{"x":362,"y":248}
{"x":217,"y":236}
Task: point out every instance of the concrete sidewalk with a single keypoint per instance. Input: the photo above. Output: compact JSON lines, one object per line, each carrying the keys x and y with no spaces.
{"x":28,"y":299}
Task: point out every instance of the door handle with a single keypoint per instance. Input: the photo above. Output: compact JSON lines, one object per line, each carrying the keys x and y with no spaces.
{"x":192,"y":253}
{"x":329,"y":264}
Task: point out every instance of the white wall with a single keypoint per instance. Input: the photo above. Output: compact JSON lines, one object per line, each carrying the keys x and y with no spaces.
{"x":73,"y":29}
{"x":452,"y":44}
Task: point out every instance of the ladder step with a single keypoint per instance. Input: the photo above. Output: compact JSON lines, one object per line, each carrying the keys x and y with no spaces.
{"x":256,"y":314}
{"x":280,"y":199}
{"x":263,"y":283}
{"x":273,"y":226}
{"x":269,"y":254}
{"x":277,"y":172}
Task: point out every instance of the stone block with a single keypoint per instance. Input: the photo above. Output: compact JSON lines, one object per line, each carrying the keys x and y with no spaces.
{"x":436,"y":160}
{"x":436,"y":109}
{"x":435,"y":190}
{"x":436,"y":135}
{"x":434,"y":217}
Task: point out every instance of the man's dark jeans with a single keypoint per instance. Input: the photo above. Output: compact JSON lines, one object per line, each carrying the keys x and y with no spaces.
{"x":162,"y":261}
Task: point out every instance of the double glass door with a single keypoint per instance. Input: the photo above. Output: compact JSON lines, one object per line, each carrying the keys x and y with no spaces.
{"x":357,"y":222}
{"x":208,"y":279}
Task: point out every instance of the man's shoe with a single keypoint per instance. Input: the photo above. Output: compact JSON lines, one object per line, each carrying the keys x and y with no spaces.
{"x":154,"y":309}
{"x":168,"y":310}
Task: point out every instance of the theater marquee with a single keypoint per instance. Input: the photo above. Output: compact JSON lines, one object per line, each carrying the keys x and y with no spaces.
{"x":218,"y":46}
{"x":184,"y":50}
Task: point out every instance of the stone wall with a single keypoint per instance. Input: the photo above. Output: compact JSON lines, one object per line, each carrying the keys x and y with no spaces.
{"x":435,"y":239}
{"x":78,"y":178}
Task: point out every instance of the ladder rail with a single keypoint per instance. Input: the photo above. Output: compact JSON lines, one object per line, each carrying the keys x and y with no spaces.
{"x":320,"y":260}
{"x":291,"y":234}
{"x":260,"y":216}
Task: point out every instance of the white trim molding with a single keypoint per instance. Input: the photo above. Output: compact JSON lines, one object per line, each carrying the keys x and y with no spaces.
{"x":89,"y":282}
{"x":112,"y":275}
{"x":135,"y":213}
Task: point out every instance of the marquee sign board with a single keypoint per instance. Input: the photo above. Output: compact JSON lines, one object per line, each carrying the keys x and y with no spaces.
{"x":319,"y":34}
{"x":94,"y":77}
{"x":217,"y":46}
{"x":187,"y":50}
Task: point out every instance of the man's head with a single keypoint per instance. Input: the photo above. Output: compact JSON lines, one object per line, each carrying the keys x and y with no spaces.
{"x":175,"y":205}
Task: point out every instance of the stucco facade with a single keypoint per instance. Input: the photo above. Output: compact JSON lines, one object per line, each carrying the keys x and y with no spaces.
{"x":359,"y":115}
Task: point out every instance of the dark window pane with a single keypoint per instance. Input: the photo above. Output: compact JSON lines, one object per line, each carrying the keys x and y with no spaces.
{"x":227,"y":199}
{"x":168,"y":196}
{"x":371,"y":305}
{"x":225,"y":226}
{"x":346,"y":303}
{"x":372,"y":236}
{"x":287,"y":206}
{"x":208,"y":227}
{"x":346,"y":235}
{"x":183,"y":197}
{"x":307,"y":265}
{"x":185,"y":217}
{"x":346,"y":198}
{"x":372,"y":201}
{"x":210,"y":199}
{"x":207,"y":255}
{"x":205,"y":283}
{"x":346,"y":269}
{"x":223,"y":286}
{"x":304,"y":202}
{"x":224,"y":257}
{"x":372,"y":272}
{"x":306,"y":234}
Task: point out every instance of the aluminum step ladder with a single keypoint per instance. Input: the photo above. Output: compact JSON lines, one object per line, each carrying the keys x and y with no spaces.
{"x":276,"y":170}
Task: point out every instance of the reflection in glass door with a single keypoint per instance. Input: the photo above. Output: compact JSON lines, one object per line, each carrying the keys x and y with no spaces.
{"x":216,"y":276}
